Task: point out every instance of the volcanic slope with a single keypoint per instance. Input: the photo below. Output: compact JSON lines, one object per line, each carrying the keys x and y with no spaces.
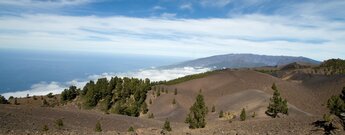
{"x":232,"y":90}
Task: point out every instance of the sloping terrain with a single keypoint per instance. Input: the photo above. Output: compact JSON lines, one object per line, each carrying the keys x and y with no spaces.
{"x":232,"y":90}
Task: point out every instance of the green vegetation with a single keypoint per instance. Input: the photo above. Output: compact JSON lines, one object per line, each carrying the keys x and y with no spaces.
{"x":221,"y":114}
{"x":336,"y":106}
{"x":167,"y":126}
{"x":98,"y":127}
{"x":69,"y":94}
{"x":150,"y":102}
{"x":130,"y":129}
{"x":190,"y":77}
{"x":277,"y":104}
{"x":151,"y":116}
{"x":124,"y":96}
{"x":213,"y":109}
{"x":45,"y":128}
{"x":3,"y":100}
{"x":15,"y":101}
{"x":158,"y":93}
{"x":59,"y":123}
{"x":254,"y":115}
{"x":335,"y":66}
{"x":197,"y":114}
{"x":174,"y":101}
{"x":50,"y":95}
{"x":144,"y":108}
{"x":243,"y":115}
{"x":44,"y":103}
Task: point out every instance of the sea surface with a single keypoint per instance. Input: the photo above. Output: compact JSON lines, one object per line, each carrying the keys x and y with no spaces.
{"x":20,"y":69}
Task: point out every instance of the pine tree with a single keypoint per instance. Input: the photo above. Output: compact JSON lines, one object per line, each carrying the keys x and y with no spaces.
{"x":213,"y":109}
{"x":197,"y":114}
{"x":166,"y":126}
{"x":221,"y":114}
{"x":3,"y":100}
{"x":151,"y":116}
{"x":150,"y":102}
{"x":98,"y":127}
{"x":243,"y":115}
{"x":144,"y":108}
{"x":174,"y":101}
{"x":158,"y":93}
{"x":130,"y":129}
{"x":277,"y":104}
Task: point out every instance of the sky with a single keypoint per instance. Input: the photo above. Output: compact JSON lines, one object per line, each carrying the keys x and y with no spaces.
{"x":179,"y":28}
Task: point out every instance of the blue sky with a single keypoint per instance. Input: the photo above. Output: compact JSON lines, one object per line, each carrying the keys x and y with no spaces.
{"x":182,"y":28}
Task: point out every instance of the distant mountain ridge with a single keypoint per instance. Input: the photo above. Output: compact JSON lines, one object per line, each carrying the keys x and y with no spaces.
{"x":242,"y":61}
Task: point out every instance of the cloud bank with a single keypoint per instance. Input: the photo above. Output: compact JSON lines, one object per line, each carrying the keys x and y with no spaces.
{"x":317,"y":38}
{"x":153,"y":74}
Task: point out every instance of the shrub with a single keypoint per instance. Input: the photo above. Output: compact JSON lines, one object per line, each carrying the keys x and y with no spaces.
{"x":254,"y":115}
{"x":221,"y":114}
{"x":59,"y":123}
{"x":197,"y":114}
{"x":213,"y":109}
{"x":98,"y":127}
{"x":3,"y":100}
{"x":45,"y":128}
{"x":11,"y":97}
{"x":166,"y":126}
{"x":174,"y":101}
{"x":45,"y":103}
{"x":151,"y":116}
{"x":50,"y":95}
{"x":277,"y":104}
{"x":150,"y":102}
{"x":175,"y":92}
{"x":144,"y":108}
{"x":15,"y":101}
{"x":130,"y":129}
{"x":243,"y":115}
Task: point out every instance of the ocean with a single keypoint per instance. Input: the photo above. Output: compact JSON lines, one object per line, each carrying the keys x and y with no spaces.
{"x":20,"y":69}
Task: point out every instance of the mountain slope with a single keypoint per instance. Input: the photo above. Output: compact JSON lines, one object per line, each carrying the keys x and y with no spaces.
{"x":242,"y":61}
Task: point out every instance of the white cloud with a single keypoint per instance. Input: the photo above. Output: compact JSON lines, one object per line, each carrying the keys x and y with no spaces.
{"x":316,"y":38}
{"x":153,"y":74}
{"x":43,"y":3}
{"x":158,"y":8}
{"x":168,"y":15}
{"x":187,"y":6}
{"x":214,"y":3}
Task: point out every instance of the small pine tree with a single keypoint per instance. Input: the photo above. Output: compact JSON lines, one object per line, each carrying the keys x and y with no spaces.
{"x":3,"y":100}
{"x":15,"y":101}
{"x":130,"y":129}
{"x":45,"y":128}
{"x":174,"y":101}
{"x":98,"y":127}
{"x":166,"y":126}
{"x":243,"y":115}
{"x":45,"y":103}
{"x":197,"y":116}
{"x":59,"y":123}
{"x":158,"y":93}
{"x":277,"y":104}
{"x":213,"y":109}
{"x":254,"y":115}
{"x":150,"y":102}
{"x":144,"y":108}
{"x":221,"y":114}
{"x":175,"y":92}
{"x":151,"y":116}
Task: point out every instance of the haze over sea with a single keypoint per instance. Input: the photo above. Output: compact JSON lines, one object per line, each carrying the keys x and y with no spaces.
{"x":23,"y":69}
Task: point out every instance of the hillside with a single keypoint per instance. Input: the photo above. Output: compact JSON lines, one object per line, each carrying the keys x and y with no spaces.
{"x":228,"y":90}
{"x":242,"y":61}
